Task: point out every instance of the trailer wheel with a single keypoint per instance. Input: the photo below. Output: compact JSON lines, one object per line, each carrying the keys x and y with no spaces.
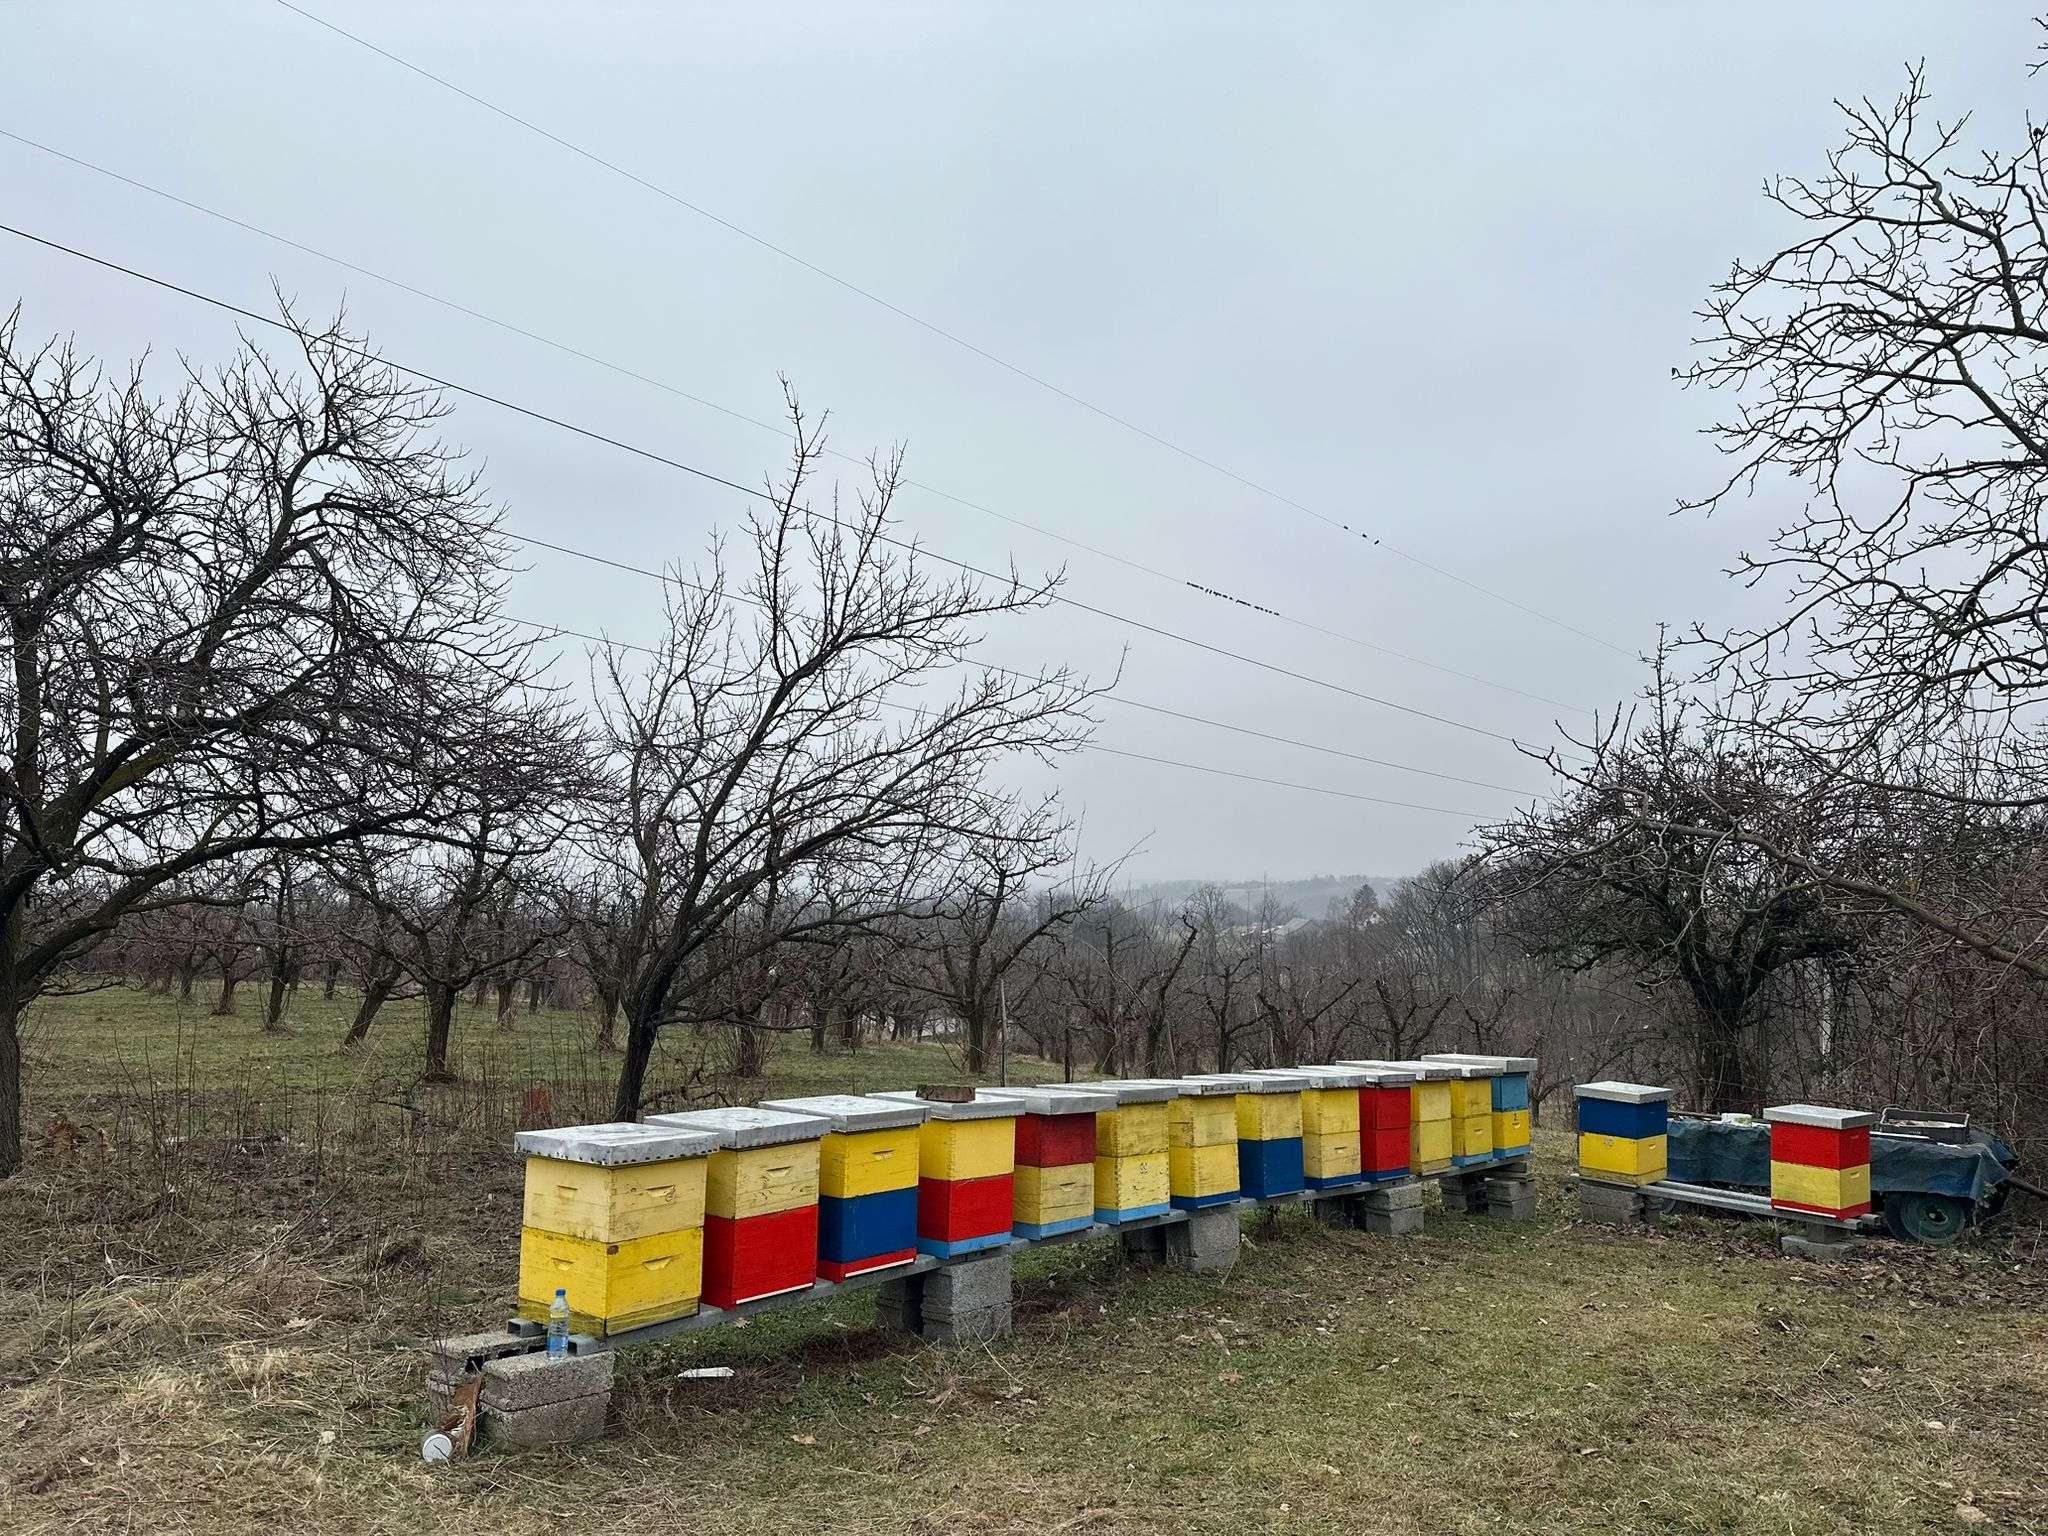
{"x":1937,"y":1220}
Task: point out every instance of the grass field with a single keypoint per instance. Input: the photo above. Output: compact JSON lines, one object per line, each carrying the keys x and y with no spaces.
{"x":205,"y":1326}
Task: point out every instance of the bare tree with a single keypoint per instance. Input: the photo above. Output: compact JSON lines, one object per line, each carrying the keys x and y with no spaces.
{"x":244,"y":620}
{"x":799,"y":732}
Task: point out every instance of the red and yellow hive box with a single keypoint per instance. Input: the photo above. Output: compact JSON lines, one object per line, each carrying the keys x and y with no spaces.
{"x":614,"y":1218}
{"x":1820,"y":1160}
{"x":1384,"y":1107}
{"x":1054,"y":1184}
{"x":760,"y":1201}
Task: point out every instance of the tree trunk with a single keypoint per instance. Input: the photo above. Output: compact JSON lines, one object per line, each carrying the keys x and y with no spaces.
{"x":507,"y":989}
{"x":186,"y":975}
{"x":640,"y":1036}
{"x":331,"y":980}
{"x":440,"y":1019}
{"x":225,"y":1006}
{"x":273,"y":1008}
{"x":975,"y":1055}
{"x":375,"y":990}
{"x":849,"y":1027}
{"x":607,"y":1019}
{"x":10,"y":1052}
{"x":480,"y":991}
{"x":536,"y":988}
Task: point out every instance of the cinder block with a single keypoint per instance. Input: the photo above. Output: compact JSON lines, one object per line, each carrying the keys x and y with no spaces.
{"x":986,"y":1323}
{"x":531,"y":1381}
{"x":1405,"y":1195}
{"x":455,"y":1357}
{"x":1147,"y":1245}
{"x":1819,"y":1242}
{"x":1207,"y":1242}
{"x":1614,"y":1204}
{"x":1403,"y":1222}
{"x":1511,"y":1199}
{"x":972,"y":1285}
{"x":567,"y":1422}
{"x":1463,"y":1194}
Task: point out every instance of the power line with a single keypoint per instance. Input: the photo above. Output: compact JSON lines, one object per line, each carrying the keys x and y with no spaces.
{"x":778,"y":429}
{"x":940,"y":331}
{"x":988,"y":666}
{"x":1168,"y":762}
{"x":654,"y":456}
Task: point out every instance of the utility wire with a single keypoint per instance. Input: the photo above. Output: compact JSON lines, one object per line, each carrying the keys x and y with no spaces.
{"x":910,"y":547}
{"x":568,"y":349}
{"x":940,"y":331}
{"x":1140,"y":757}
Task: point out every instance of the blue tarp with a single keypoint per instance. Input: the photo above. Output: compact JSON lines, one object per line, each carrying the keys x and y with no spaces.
{"x":1739,"y":1156}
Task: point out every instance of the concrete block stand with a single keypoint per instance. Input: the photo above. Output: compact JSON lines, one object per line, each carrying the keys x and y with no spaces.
{"x":1392,"y":1210}
{"x":1512,"y":1198}
{"x":1207,"y":1242}
{"x":530,"y":1400}
{"x":1612,"y":1204}
{"x":970,"y":1299}
{"x":1816,"y":1241}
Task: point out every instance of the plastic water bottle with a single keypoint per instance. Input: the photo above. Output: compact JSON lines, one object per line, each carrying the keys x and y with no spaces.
{"x":558,"y":1326}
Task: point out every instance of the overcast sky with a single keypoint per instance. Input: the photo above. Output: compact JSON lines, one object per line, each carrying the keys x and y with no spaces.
{"x":1422,"y":269}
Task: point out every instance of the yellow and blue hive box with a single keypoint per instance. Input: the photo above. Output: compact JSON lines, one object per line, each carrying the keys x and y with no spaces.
{"x":1471,"y":1112}
{"x":1132,"y":1176}
{"x":867,"y":1181}
{"x":1430,"y":1129}
{"x":1510,"y":1096}
{"x":967,"y":1164}
{"x":1269,"y":1154}
{"x":614,"y":1218}
{"x":1622,"y":1132}
{"x":1055,"y":1177}
{"x":760,"y":1200}
{"x":1332,"y":1131}
{"x":1201,"y":1143}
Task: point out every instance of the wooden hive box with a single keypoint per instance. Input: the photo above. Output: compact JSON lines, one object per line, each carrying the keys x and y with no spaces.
{"x":761,"y":1201}
{"x":1053,"y":1190}
{"x":1820,"y":1160}
{"x":967,"y":1162}
{"x":1133,"y":1177}
{"x":1622,"y":1132}
{"x":614,"y":1217}
{"x":867,"y":1181}
{"x":1385,"y":1103}
{"x":1201,"y":1153}
{"x":1269,"y":1152}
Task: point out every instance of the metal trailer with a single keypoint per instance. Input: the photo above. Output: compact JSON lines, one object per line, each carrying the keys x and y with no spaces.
{"x":1932,"y":1173}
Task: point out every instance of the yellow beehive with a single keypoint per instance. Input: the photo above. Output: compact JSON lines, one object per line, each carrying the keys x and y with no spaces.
{"x":1622,"y":1159}
{"x":1196,"y":1172}
{"x":855,"y":1163}
{"x":1209,"y":1121}
{"x":1472,"y":1135}
{"x":1330,"y":1112}
{"x":759,"y":1181}
{"x":967,"y":1149}
{"x":1430,"y":1101}
{"x":1132,"y":1130}
{"x":1042,"y":1196}
{"x":614,"y":1204}
{"x":1829,"y":1189}
{"x":1133,"y":1182}
{"x":1510,"y":1129}
{"x":1268,"y":1116}
{"x":1331,"y":1157}
{"x":1471,"y":1096}
{"x":1429,"y":1145}
{"x":612,"y":1286}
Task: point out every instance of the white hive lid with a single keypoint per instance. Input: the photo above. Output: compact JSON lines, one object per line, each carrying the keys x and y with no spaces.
{"x":1338,"y":1076}
{"x":1819,"y":1115}
{"x":1212,"y":1085}
{"x":1052,"y":1099}
{"x":983,"y":1106}
{"x":1622,"y":1093}
{"x":1246,"y":1082}
{"x":1291,"y":1079}
{"x":740,"y":1126}
{"x":615,"y":1145}
{"x":1382,"y":1074}
{"x":1133,"y":1090}
{"x":1501,"y":1064}
{"x":1425,"y":1071}
{"x":852,"y":1111}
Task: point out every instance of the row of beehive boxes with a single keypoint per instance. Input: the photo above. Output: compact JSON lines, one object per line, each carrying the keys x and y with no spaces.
{"x":1820,"y":1156}
{"x":637,"y":1222}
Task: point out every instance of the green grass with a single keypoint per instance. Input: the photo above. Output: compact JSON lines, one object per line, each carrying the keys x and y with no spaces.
{"x":229,"y":1357}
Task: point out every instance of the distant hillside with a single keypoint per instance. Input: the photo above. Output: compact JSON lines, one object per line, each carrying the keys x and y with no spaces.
{"x":1310,"y":897}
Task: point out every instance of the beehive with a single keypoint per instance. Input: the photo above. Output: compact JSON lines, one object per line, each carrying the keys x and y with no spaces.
{"x":1621,"y":1132}
{"x":1383,"y":1111}
{"x":1332,"y":1137}
{"x":1132,"y":1178}
{"x":1510,"y":1097}
{"x":614,"y":1216}
{"x":967,"y":1164}
{"x":1471,"y":1113}
{"x":1820,"y":1160}
{"x":1054,"y":1188}
{"x":1429,"y":1114}
{"x":867,"y":1181}
{"x":1201,"y":1144}
{"x":1269,"y":1154}
{"x":760,"y":1200}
